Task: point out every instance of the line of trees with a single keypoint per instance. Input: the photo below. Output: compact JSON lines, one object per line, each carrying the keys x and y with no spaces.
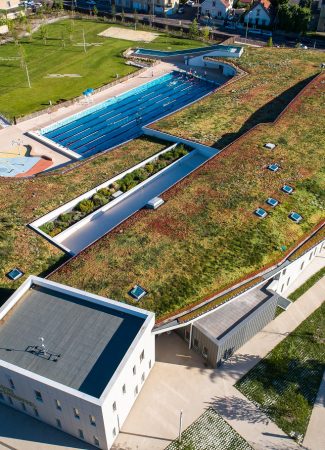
{"x":292,"y":16}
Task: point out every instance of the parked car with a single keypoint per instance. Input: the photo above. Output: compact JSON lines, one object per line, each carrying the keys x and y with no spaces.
{"x":180,"y":10}
{"x":190,"y":3}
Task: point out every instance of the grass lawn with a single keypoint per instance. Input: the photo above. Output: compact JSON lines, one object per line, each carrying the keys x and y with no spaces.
{"x":286,"y":382}
{"x":211,"y":432}
{"x":275,"y":77}
{"x":206,"y":236}
{"x":307,"y":285}
{"x":29,"y":199}
{"x":98,"y":66}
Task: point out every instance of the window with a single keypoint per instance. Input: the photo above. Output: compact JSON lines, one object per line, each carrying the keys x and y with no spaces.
{"x":92,"y":420}
{"x":96,"y":441}
{"x":282,"y":288}
{"x":76,"y":413}
{"x":143,"y":377}
{"x":213,"y":3}
{"x":257,"y":12}
{"x":136,"y":390}
{"x":58,"y":423}
{"x":196,"y":343}
{"x":10,"y":400}
{"x":205,"y":352}
{"x":36,"y":412}
{"x":12,"y":385}
{"x":310,"y":256}
{"x":187,"y":335}
{"x":142,"y":356}
{"x":149,"y":364}
{"x":124,"y":389}
{"x":219,"y":13}
{"x":81,"y":434}
{"x":23,"y":406}
{"x":114,"y":406}
{"x":58,"y":405}
{"x":114,"y":431}
{"x":288,"y":281}
{"x":134,"y":370}
{"x":302,"y":265}
{"x":284,"y":271}
{"x":38,"y":396}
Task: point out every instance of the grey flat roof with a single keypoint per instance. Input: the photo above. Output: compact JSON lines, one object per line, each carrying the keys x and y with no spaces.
{"x":222,"y":320}
{"x":90,"y":338}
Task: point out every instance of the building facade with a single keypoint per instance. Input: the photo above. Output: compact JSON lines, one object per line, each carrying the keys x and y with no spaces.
{"x":82,"y":359}
{"x":259,"y":14}
{"x":216,"y":9}
{"x":7,"y":5}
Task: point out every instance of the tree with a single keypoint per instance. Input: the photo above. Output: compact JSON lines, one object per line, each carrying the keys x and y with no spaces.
{"x":122,"y":15}
{"x":135,"y":18}
{"x":206,"y":33}
{"x":113,"y":12}
{"x":270,"y":42}
{"x":44,"y":33}
{"x":95,"y":11}
{"x":194,"y":29}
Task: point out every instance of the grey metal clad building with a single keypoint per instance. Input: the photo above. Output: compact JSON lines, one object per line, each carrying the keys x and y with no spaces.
{"x":219,"y":334}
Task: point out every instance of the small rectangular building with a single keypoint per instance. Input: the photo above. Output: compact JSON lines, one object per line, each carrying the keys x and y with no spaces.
{"x":220,"y":333}
{"x":74,"y":360}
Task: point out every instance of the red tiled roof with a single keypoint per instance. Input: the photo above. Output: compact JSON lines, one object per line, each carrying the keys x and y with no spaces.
{"x":265,"y":3}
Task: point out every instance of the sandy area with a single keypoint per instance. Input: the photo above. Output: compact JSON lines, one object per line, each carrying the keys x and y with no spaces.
{"x":129,"y":35}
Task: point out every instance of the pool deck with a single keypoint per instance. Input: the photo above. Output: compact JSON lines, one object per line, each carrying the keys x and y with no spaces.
{"x":15,"y":132}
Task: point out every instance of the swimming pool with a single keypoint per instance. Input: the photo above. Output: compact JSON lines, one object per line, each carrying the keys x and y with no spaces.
{"x":121,"y":118}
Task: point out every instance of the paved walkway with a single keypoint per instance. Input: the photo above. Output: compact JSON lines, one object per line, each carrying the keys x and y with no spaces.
{"x":315,"y":436}
{"x":180,"y":380}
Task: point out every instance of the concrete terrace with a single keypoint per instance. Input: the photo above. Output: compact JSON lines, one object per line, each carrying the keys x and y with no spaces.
{"x":81,"y":338}
{"x":103,"y":222}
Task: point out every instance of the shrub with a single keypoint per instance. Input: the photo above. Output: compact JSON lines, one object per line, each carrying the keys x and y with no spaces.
{"x":167,"y":156}
{"x":66,"y":217}
{"x":47,"y":227}
{"x":99,"y":200}
{"x":55,"y":231}
{"x":85,"y":206}
{"x":105,"y":192}
{"x":149,"y":168}
{"x":115,"y":186}
{"x":140,"y":175}
{"x":78,"y":215}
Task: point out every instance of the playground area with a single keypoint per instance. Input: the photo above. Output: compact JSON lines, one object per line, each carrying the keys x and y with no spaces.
{"x":128,"y":34}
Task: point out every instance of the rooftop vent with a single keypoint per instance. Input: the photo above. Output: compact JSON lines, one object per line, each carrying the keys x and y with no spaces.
{"x":273,"y":167}
{"x":154,"y":203}
{"x":270,"y":146}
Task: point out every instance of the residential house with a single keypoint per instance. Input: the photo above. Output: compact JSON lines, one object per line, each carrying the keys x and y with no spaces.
{"x":260,"y":14}
{"x":216,"y":9}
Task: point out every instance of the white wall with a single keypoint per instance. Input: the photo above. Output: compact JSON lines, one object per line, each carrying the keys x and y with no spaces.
{"x":124,"y":402}
{"x":25,"y":387}
{"x":216,"y":8}
{"x":290,"y":273}
{"x":258,"y":16}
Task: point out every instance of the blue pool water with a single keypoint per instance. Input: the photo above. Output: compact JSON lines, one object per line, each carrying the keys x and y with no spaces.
{"x":120,"y":119}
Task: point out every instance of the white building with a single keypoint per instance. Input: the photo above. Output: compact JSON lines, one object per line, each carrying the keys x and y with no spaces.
{"x":216,"y":9}
{"x":8,"y":4}
{"x":259,"y":14}
{"x":85,"y":373}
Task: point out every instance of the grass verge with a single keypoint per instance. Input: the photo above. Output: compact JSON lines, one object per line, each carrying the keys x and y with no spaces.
{"x":307,"y":285}
{"x":286,"y":382}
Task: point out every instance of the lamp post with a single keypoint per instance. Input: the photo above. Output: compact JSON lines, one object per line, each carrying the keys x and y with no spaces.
{"x":180,"y":426}
{"x":247,"y":24}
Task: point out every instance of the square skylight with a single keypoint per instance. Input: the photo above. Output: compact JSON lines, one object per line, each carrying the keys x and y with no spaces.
{"x":260,"y":212}
{"x":273,"y":167}
{"x":272,"y":201}
{"x":287,"y":189}
{"x":15,"y":274}
{"x":137,"y":292}
{"x":295,"y":217}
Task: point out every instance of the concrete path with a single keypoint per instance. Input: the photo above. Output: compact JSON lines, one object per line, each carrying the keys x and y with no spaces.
{"x":315,"y":435}
{"x":180,"y":380}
